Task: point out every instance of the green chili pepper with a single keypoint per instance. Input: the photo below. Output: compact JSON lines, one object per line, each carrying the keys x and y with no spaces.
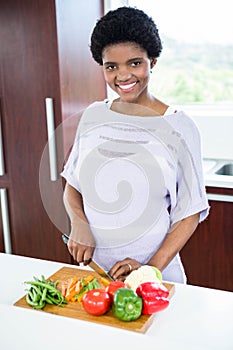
{"x":127,"y":305}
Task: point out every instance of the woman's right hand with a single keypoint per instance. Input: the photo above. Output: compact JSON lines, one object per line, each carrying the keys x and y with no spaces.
{"x":81,"y":244}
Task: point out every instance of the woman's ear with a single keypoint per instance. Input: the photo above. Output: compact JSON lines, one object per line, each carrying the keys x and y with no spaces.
{"x":152,"y":62}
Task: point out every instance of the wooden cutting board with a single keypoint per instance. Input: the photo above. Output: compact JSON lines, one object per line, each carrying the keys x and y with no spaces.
{"x":76,"y":310}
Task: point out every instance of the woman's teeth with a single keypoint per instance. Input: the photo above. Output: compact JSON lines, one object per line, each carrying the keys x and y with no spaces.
{"x":127,"y":87}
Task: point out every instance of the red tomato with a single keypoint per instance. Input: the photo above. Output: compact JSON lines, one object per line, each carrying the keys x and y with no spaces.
{"x":96,"y":302}
{"x":113,"y":286}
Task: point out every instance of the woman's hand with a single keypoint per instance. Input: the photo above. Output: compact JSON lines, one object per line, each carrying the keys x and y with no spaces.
{"x":81,"y":244}
{"x":122,"y":269}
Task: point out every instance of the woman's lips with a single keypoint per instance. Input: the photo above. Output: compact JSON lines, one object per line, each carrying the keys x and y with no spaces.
{"x":126,"y":87}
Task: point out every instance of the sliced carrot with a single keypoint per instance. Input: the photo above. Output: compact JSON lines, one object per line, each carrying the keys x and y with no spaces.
{"x":78,"y":287}
{"x":70,"y":295}
{"x":72,"y":282}
{"x":74,"y":287}
{"x":105,"y":281}
{"x":68,"y":290}
{"x":88,"y":279}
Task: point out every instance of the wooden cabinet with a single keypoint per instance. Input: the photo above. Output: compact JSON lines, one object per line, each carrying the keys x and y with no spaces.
{"x":208,"y":256}
{"x":44,"y":54}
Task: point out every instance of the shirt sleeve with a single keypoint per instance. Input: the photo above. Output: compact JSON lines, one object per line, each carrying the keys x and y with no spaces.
{"x":191,"y":195}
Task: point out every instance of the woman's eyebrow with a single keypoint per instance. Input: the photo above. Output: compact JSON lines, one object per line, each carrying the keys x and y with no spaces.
{"x":135,"y":59}
{"x":109,"y":63}
{"x":130,"y":60}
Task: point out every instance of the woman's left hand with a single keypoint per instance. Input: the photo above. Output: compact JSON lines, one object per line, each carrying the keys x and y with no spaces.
{"x":122,"y":269}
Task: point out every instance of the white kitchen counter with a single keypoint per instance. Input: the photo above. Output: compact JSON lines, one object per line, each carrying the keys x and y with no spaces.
{"x":197,"y":318}
{"x":221,"y":181}
{"x":210,"y":166}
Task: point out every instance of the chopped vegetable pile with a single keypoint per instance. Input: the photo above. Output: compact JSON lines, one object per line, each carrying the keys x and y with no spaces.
{"x":75,"y":289}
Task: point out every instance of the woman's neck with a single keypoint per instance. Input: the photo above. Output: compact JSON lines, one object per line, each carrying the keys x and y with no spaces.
{"x":148,"y":107}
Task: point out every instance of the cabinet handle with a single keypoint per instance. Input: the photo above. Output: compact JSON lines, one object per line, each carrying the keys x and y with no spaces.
{"x":5,"y":221}
{"x":51,"y":139}
{"x":2,"y":165}
{"x":220,"y":197}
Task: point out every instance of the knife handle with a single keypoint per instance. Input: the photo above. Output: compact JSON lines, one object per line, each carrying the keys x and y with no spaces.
{"x":65,"y":238}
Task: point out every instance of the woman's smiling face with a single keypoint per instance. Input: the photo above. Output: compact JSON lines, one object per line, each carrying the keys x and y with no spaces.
{"x":127,"y":71}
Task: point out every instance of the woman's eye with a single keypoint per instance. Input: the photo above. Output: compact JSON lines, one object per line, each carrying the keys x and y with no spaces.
{"x":136,"y":63}
{"x":110,"y":67}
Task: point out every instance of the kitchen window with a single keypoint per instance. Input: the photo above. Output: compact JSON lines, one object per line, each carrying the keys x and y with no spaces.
{"x":194,"y":70}
{"x":195,"y":66}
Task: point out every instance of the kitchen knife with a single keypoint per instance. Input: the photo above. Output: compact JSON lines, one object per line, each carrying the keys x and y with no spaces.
{"x":96,"y":267}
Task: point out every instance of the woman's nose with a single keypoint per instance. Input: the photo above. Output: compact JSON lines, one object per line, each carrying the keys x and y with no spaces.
{"x":123,"y":74}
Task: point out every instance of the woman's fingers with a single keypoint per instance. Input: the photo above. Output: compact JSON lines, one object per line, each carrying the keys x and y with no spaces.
{"x":87,"y":256}
{"x":81,"y":253}
{"x":81,"y":244}
{"x":123,"y":268}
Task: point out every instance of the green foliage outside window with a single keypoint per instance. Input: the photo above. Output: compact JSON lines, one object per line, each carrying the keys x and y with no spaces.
{"x":192,"y":73}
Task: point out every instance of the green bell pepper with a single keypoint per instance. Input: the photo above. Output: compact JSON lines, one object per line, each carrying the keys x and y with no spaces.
{"x":127,"y":305}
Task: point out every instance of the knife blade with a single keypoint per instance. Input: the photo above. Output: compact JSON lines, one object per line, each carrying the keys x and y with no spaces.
{"x":97,"y":268}
{"x":93,"y":264}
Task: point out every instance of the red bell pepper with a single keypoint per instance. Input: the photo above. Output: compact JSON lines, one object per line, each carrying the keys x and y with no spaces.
{"x":154,"y":296}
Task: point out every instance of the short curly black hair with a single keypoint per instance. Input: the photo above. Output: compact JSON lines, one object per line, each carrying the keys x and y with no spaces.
{"x":122,"y":25}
